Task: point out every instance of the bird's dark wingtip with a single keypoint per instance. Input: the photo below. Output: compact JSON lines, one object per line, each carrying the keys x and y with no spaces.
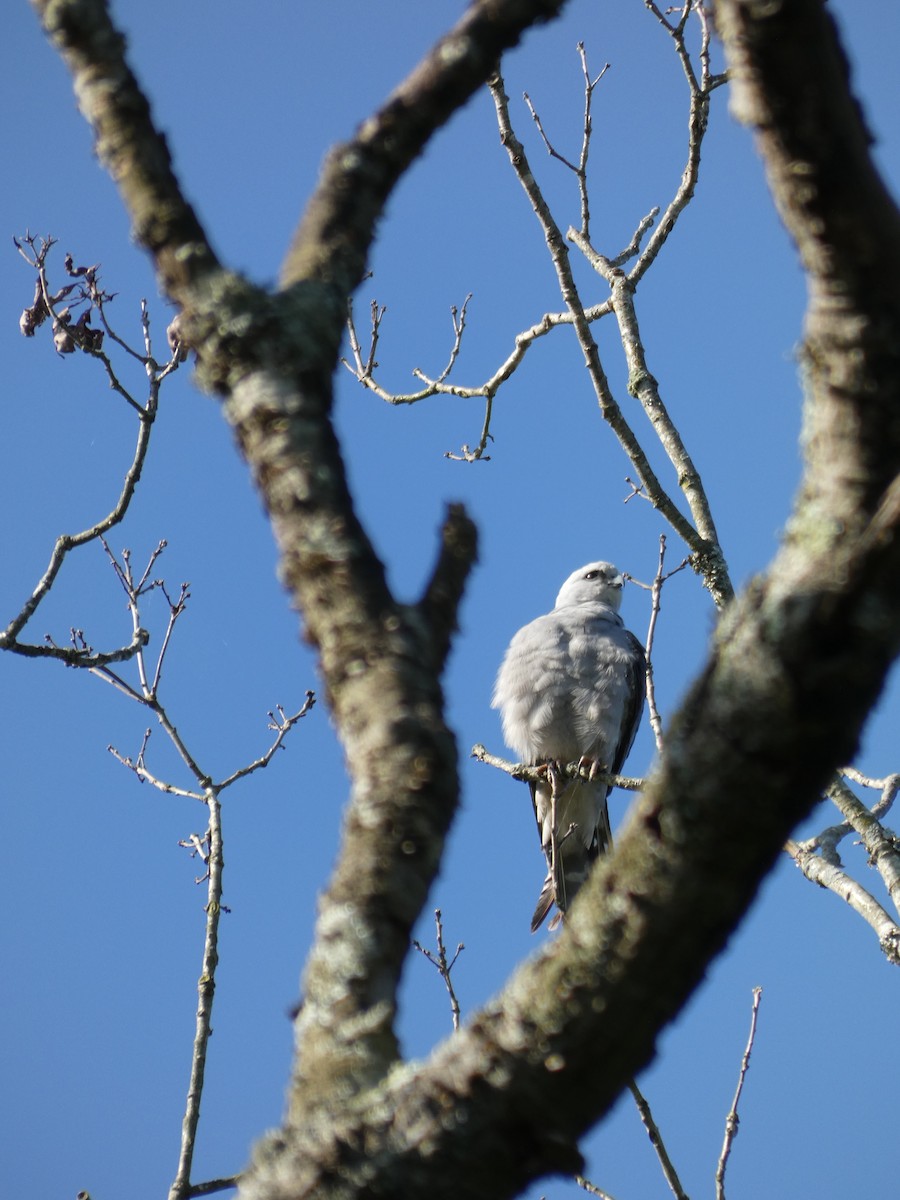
{"x":545,"y":900}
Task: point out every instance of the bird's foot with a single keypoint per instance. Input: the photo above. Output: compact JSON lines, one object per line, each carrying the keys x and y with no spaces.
{"x":552,"y":770}
{"x":590,"y":768}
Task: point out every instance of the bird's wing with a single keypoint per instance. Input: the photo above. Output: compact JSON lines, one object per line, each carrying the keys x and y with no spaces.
{"x":636,"y":682}
{"x":532,"y":688}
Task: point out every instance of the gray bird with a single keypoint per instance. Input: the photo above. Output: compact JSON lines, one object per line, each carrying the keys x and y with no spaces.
{"x":571,"y":689}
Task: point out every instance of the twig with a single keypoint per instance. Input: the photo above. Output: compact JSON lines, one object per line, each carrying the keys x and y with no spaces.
{"x":655,"y":590}
{"x":820,"y":861}
{"x":363,"y":368}
{"x":68,"y":542}
{"x":698,"y":118}
{"x":537,"y":774}
{"x":836,"y":880}
{"x":707,"y":555}
{"x":579,"y":169}
{"x":444,"y":967}
{"x":592,"y":1189}
{"x":732,"y":1121}
{"x":880,"y":845}
{"x":146,"y":776}
{"x":283,"y":725}
{"x":888,"y":786}
{"x":656,"y":1141}
{"x":213,"y":1185}
{"x":209,"y":846}
{"x":206,"y":987}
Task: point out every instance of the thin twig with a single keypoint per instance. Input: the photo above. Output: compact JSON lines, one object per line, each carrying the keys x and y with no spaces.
{"x":213,"y":1185}
{"x":698,"y":119}
{"x":206,"y":991}
{"x":592,"y":1189}
{"x":363,"y":368}
{"x":820,"y":861}
{"x":655,"y":590}
{"x":572,"y":770}
{"x":175,"y":611}
{"x":655,"y":604}
{"x":68,"y":542}
{"x":732,"y":1120}
{"x":146,"y":776}
{"x":444,"y":967}
{"x":467,"y":454}
{"x":282,"y":724}
{"x":656,"y":1141}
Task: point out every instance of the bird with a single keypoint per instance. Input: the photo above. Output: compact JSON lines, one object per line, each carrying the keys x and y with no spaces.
{"x":571,"y":689}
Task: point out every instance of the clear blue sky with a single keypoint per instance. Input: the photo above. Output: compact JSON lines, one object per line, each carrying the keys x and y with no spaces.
{"x":102,"y":929}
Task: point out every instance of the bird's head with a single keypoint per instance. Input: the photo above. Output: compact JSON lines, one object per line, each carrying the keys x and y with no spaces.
{"x":594,"y":583}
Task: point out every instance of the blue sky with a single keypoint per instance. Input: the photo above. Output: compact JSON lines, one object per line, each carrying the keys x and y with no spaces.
{"x":103,"y":924}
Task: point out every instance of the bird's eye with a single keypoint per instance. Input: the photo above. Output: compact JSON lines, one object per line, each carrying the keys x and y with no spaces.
{"x":592,"y":575}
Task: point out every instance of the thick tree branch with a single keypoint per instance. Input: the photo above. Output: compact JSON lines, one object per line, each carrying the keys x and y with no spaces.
{"x":273,"y":360}
{"x":440,"y":603}
{"x":127,"y":142}
{"x":338,"y":226}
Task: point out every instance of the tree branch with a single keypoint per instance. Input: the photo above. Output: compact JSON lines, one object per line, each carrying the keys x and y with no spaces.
{"x":338,"y":226}
{"x":708,"y":557}
{"x":732,"y":1120}
{"x":127,"y":142}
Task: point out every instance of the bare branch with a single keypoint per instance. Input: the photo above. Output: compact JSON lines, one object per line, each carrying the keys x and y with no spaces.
{"x":888,"y":787}
{"x":363,"y":370}
{"x":334,"y":236}
{"x":580,"y":168}
{"x":65,"y":543}
{"x":212,"y":1185}
{"x":467,"y":454}
{"x":127,"y":142}
{"x":610,"y":410}
{"x":655,"y":590}
{"x":443,"y":593}
{"x":145,"y":775}
{"x":572,"y":770}
{"x":731,"y":1121}
{"x":592,"y":1189}
{"x":444,"y":967}
{"x":832,"y":877}
{"x":282,"y":724}
{"x":656,"y":1141}
{"x":698,"y":119}
{"x":881,"y":846}
{"x":206,"y":987}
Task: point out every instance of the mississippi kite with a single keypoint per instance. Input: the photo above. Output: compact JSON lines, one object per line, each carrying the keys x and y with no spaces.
{"x":571,"y":689}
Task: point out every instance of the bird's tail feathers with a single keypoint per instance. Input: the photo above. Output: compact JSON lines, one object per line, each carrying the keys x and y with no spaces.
{"x":568,"y":872}
{"x":545,"y":900}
